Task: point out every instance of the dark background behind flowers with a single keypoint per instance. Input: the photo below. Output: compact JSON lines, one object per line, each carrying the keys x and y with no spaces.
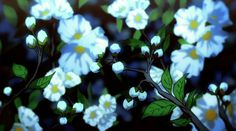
{"x":13,"y":50}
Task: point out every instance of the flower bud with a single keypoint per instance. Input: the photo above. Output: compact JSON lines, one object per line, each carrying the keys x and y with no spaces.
{"x":145,"y":50}
{"x":118,"y":67}
{"x":42,"y":37}
{"x":155,"y":40}
{"x":30,"y":23}
{"x":159,"y":52}
{"x":94,"y":67}
{"x":78,"y":107}
{"x":223,"y":86}
{"x":7,"y":90}
{"x":63,"y":120}
{"x":115,"y":48}
{"x":142,"y":96}
{"x":212,"y":88}
{"x":61,"y":105}
{"x":133,"y":93}
{"x":30,"y":41}
{"x":128,"y":104}
{"x":226,"y":98}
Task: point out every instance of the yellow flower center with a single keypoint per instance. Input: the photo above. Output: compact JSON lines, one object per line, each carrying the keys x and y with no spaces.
{"x":193,"y":24}
{"x":107,"y":104}
{"x":77,"y":36}
{"x":18,"y":129}
{"x":210,"y":115}
{"x":138,"y":18}
{"x":44,"y":13}
{"x":79,"y":49}
{"x":193,"y":54}
{"x":55,"y":89}
{"x":207,"y":36}
{"x":68,"y":77}
{"x":230,"y":109}
{"x":214,"y":17}
{"x":93,"y":115}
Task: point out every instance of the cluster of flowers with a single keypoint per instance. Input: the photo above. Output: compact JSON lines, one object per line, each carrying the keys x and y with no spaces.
{"x":202,"y":26}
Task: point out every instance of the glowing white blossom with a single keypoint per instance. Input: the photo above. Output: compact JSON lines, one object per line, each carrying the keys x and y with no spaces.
{"x":212,"y":88}
{"x":42,"y":37}
{"x":106,"y":121}
{"x":30,"y":23}
{"x":7,"y":90}
{"x":118,"y":67}
{"x":61,"y":105}
{"x":137,"y":19}
{"x":224,"y":86}
{"x":155,"y":40}
{"x":107,"y":103}
{"x":119,"y":8}
{"x":92,"y":115}
{"x":78,"y":107}
{"x":115,"y":48}
{"x":63,"y":120}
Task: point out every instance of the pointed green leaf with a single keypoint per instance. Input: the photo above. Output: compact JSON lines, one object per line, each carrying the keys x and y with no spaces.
{"x":182,"y":41}
{"x":181,"y":122}
{"x":20,"y":71}
{"x":104,"y":8}
{"x":134,"y":43}
{"x":166,"y":80}
{"x":159,"y":108}
{"x":168,"y":17}
{"x":10,"y":14}
{"x":155,"y":14}
{"x":192,"y":97}
{"x":42,"y":82}
{"x":0,"y":46}
{"x":119,"y":24}
{"x":17,"y":102}
{"x":179,"y":88}
{"x":162,"y":32}
{"x":137,"y":35}
{"x":172,"y":2}
{"x":34,"y":99}
{"x":166,"y":43}
{"x":82,"y":2}
{"x":160,"y":3}
{"x":182,"y":3}
{"x":23,"y":4}
{"x":81,"y":98}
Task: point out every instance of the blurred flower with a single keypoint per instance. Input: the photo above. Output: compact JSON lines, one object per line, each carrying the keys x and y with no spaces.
{"x":224,"y":86}
{"x":7,"y":90}
{"x":137,"y":19}
{"x":18,"y":127}
{"x":46,"y":9}
{"x":187,"y":60}
{"x":94,"y":67}
{"x":159,"y":52}
{"x":142,"y":96}
{"x":85,"y":45}
{"x":92,"y":115}
{"x":211,"y":42}
{"x":226,"y":98}
{"x":133,"y":92}
{"x":78,"y":107}
{"x":118,"y":67}
{"x":63,"y":120}
{"x":212,"y":88}
{"x":30,"y":41}
{"x":61,"y":105}
{"x":115,"y":48}
{"x":30,"y":23}
{"x":119,"y":8}
{"x":106,"y":121}
{"x":155,"y":40}
{"x":190,"y":23}
{"x":145,"y":50}
{"x":231,"y":108}
{"x":107,"y":103}
{"x":206,"y":110}
{"x":128,"y":104}
{"x":42,"y":37}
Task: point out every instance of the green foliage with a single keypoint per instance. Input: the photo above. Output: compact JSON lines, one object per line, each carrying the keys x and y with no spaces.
{"x":171,"y":2}
{"x":104,"y":8}
{"x":2,"y":127}
{"x":162,"y":33}
{"x":82,"y":99}
{"x":19,"y":71}
{"x":181,"y":122}
{"x":42,"y":82}
{"x":182,"y":3}
{"x":34,"y":99}
{"x":10,"y":14}
{"x":134,"y":43}
{"x":17,"y":102}
{"x":0,"y":46}
{"x":155,"y":14}
{"x":179,"y":88}
{"x":119,"y":24}
{"x":192,"y":97}
{"x":23,"y":4}
{"x":137,"y":35}
{"x":166,"y":80}
{"x":159,"y":108}
{"x":160,"y":3}
{"x":82,"y":2}
{"x":166,"y":43}
{"x":182,"y":41}
{"x":168,"y":17}
{"x":60,"y":46}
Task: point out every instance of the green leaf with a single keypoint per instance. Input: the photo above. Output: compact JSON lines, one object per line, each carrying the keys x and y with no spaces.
{"x":171,"y":2}
{"x":181,"y":122}
{"x":182,"y":3}
{"x":162,"y":32}
{"x":60,"y":46}
{"x":17,"y":102}
{"x":134,"y":43}
{"x":104,"y":8}
{"x":81,"y":98}
{"x":20,"y":71}
{"x":119,"y":24}
{"x":23,"y":4}
{"x":82,"y":2}
{"x":179,"y":88}
{"x":159,"y":108}
{"x":34,"y":99}
{"x":166,"y":80}
{"x":192,"y":97}
{"x":137,"y":35}
{"x":168,"y":17}
{"x":160,"y":3}
{"x":10,"y":14}
{"x":155,"y":14}
{"x":182,"y":41}
{"x":2,"y":127}
{"x":42,"y":82}
{"x":166,"y":44}
{"x":0,"y":46}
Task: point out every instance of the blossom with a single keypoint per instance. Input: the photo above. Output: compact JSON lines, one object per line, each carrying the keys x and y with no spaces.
{"x":187,"y":60}
{"x":30,"y":41}
{"x":78,"y":107}
{"x":217,"y":13}
{"x":92,"y":115}
{"x":46,"y":9}
{"x":119,"y":8}
{"x":106,"y":121}
{"x":84,"y":45}
{"x":42,"y":37}
{"x":142,"y":96}
{"x":61,"y":105}
{"x":206,"y":110}
{"x":107,"y":103}
{"x":54,"y":90}
{"x":133,"y":92}
{"x":211,"y":42}
{"x":128,"y":104}
{"x":230,"y":109}
{"x":7,"y":90}
{"x":18,"y":127}
{"x":118,"y":67}
{"x":115,"y":48}
{"x":63,"y":120}
{"x":190,"y":23}
{"x":30,"y":23}
{"x":137,"y":19}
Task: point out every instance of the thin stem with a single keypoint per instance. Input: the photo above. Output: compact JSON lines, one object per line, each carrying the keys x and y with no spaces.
{"x":135,"y":70}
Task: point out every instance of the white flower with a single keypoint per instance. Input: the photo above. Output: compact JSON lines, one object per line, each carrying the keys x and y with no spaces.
{"x":54,"y":90}
{"x":83,"y":47}
{"x":137,"y":19}
{"x":94,"y":67}
{"x":145,"y":50}
{"x":187,"y":60}
{"x":46,"y":9}
{"x":139,"y":4}
{"x":128,"y":104}
{"x":18,"y":127}
{"x":115,"y":48}
{"x":224,"y":86}
{"x":133,"y":93}
{"x":206,"y":110}
{"x":159,"y":52}
{"x":190,"y":23}
{"x":226,"y":98}
{"x":42,"y":37}
{"x":231,"y":108}
{"x":92,"y":115}
{"x":176,"y":113}
{"x":142,"y":96}
{"x":217,"y":13}
{"x":106,"y":121}
{"x":61,"y":105}
{"x":119,"y":8}
{"x":155,"y":40}
{"x":212,"y":88}
{"x":27,"y":117}
{"x":211,"y":42}
{"x":107,"y":103}
{"x":78,"y":107}
{"x":30,"y":23}
{"x":30,"y":41}
{"x":63,"y":120}
{"x":118,"y":67}
{"x":7,"y":90}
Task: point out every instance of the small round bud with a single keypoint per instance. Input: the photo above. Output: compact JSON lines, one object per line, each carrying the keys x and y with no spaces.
{"x":7,"y":90}
{"x":63,"y":120}
{"x":128,"y":104}
{"x":30,"y":41}
{"x":30,"y":23}
{"x":94,"y":67}
{"x":133,"y":93}
{"x":155,"y":40}
{"x":118,"y":67}
{"x":212,"y":88}
{"x":226,"y":98}
{"x":145,"y":50}
{"x":78,"y":107}
{"x":159,"y":52}
{"x":115,"y":48}
{"x":61,"y":105}
{"x":142,"y":96}
{"x":42,"y":37}
{"x":223,"y":86}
